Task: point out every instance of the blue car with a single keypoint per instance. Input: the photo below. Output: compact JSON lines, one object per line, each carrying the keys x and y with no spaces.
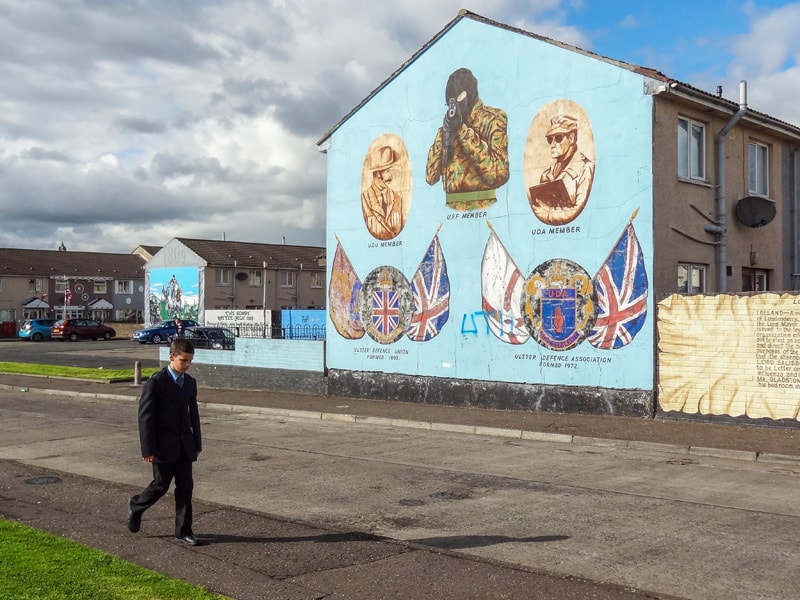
{"x":160,"y":332}
{"x":37,"y":329}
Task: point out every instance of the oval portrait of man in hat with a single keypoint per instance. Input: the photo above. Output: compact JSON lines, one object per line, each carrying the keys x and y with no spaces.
{"x":559,"y":162}
{"x":386,"y":187}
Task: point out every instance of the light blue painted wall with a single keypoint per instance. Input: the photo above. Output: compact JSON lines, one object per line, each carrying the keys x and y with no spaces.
{"x":520,"y":75}
{"x":293,"y":355}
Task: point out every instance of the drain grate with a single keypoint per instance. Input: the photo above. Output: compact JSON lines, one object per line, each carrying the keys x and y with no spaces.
{"x":44,"y":480}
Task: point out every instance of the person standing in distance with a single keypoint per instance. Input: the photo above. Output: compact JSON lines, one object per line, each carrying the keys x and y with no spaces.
{"x":169,"y":433}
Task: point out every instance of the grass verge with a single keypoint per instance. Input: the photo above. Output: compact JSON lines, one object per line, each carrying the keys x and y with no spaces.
{"x":110,"y":375}
{"x":35,"y":565}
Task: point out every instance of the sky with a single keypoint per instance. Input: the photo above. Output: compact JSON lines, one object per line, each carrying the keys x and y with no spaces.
{"x":132,"y":122}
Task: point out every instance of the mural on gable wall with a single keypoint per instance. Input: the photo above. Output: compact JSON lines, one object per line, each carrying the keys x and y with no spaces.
{"x":470,"y":151}
{"x":559,"y":162}
{"x":560,"y":304}
{"x":174,"y":292}
{"x":386,"y":187}
{"x":521,"y":244}
{"x":387,"y":305}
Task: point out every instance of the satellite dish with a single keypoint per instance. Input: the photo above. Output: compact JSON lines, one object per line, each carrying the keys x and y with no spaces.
{"x":755,"y":211}
{"x":241,"y":276}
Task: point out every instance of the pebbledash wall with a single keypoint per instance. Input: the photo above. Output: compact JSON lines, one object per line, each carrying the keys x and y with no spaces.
{"x":467,"y":269}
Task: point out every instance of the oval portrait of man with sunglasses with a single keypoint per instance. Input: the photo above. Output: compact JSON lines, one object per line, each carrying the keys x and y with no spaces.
{"x":559,"y":162}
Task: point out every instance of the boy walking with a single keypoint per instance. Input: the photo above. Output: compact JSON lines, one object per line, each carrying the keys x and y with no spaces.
{"x":169,"y":434}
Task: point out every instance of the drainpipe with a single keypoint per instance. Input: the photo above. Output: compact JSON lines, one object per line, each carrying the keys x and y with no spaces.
{"x":793,"y":215}
{"x":720,"y":227}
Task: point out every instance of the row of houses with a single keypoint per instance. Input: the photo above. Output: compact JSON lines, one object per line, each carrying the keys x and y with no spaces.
{"x":187,"y":276}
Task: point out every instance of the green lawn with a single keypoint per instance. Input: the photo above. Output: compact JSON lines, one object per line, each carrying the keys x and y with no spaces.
{"x":38,"y":566}
{"x":77,"y":372}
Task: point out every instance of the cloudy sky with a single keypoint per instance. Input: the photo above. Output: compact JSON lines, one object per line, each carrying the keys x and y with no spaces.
{"x":132,"y":122}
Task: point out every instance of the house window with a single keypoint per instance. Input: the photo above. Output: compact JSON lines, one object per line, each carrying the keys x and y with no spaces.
{"x":125,"y":287}
{"x":755,"y":280}
{"x":287,"y":278}
{"x":691,"y":278}
{"x":255,"y":278}
{"x":35,"y":285}
{"x":100,"y":287}
{"x":316,"y":280}
{"x":758,"y":162}
{"x":61,"y":286}
{"x":1,"y":283}
{"x":223,"y":277}
{"x":691,"y":149}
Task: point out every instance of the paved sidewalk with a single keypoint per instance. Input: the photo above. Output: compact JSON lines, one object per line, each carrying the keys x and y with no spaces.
{"x":748,"y":442}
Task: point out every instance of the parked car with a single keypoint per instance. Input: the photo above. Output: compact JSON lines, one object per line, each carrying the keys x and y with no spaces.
{"x":160,"y":332}
{"x":212,"y":338}
{"x":81,"y":329}
{"x":36,"y":329}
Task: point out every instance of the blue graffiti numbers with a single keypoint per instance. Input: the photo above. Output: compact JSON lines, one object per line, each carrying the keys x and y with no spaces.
{"x":465,"y":329}
{"x":505,"y":319}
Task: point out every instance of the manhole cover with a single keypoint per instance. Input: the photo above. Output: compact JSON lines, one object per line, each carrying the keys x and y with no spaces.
{"x":44,"y":480}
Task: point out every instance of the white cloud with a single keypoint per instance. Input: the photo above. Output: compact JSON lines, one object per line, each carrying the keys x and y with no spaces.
{"x":768,"y":57}
{"x":132,"y":123}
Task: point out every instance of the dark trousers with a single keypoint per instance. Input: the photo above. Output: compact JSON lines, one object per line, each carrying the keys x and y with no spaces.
{"x":163,"y":474}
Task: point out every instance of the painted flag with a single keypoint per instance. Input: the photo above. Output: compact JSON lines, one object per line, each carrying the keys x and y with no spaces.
{"x":67,"y":295}
{"x":385,"y":311}
{"x":502,"y":287}
{"x":343,"y":294}
{"x":622,"y":287}
{"x":430,"y":288}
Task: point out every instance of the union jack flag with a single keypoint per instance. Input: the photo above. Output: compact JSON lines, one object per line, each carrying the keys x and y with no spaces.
{"x":622,"y":287}
{"x":67,"y":295}
{"x":430,"y":288}
{"x":385,"y":310}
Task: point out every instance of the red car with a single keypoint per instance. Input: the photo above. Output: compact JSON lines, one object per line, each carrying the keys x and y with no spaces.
{"x":81,"y":329}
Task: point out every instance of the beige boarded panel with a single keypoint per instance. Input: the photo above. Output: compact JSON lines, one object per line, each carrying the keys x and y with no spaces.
{"x":730,"y":355}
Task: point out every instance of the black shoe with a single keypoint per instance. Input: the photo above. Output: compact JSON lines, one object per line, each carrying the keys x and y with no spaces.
{"x":134,"y":520}
{"x":189,"y":540}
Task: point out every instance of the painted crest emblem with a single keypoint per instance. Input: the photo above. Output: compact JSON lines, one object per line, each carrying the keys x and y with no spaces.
{"x":386,"y":304}
{"x":559,"y":304}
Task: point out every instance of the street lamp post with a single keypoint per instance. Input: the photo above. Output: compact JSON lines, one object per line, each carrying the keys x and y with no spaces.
{"x":264,"y":299}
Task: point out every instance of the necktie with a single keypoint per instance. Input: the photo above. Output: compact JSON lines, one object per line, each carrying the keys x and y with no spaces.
{"x":179,"y":381}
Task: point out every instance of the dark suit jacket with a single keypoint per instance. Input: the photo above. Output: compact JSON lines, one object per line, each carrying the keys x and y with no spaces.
{"x":169,"y":421}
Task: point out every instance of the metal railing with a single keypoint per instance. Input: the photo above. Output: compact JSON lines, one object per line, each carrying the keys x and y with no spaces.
{"x":292,"y":332}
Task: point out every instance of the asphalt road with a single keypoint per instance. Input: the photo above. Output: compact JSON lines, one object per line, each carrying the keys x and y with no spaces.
{"x":112,"y":354}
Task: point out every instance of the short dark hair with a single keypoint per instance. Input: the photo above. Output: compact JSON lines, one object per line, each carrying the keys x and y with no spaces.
{"x":181,"y":345}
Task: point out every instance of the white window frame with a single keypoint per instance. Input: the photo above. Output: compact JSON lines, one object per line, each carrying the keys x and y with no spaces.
{"x":100,"y":286}
{"x":124,"y":286}
{"x":758,"y":169}
{"x":35,"y":284}
{"x":316,"y":280}
{"x":287,"y":279}
{"x":223,"y":277}
{"x":256,"y":278}
{"x":692,"y":278}
{"x":691,"y":149}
